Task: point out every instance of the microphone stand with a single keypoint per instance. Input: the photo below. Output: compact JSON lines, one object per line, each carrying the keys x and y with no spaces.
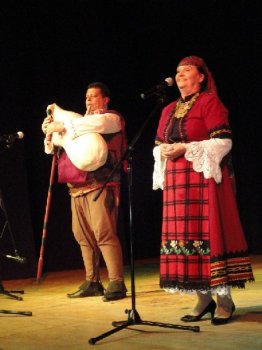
{"x":2,"y":289}
{"x":133,"y":317}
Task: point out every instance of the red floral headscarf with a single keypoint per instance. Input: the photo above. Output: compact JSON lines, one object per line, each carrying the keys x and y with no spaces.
{"x":199,"y":62}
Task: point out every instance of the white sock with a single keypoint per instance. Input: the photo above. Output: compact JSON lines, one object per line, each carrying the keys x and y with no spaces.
{"x":203,"y":299}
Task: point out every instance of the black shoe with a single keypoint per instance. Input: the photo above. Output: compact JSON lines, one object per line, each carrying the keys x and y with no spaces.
{"x":217,"y":321}
{"x":211,"y":307}
{"x":116,"y":290}
{"x":88,"y":289}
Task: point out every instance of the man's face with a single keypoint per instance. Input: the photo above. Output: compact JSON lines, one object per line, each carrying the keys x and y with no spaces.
{"x":95,"y":101}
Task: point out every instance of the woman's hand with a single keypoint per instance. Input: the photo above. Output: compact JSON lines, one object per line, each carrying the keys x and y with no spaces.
{"x":172,"y":150}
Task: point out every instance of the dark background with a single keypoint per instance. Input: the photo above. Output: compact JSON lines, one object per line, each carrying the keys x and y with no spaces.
{"x":51,"y":50}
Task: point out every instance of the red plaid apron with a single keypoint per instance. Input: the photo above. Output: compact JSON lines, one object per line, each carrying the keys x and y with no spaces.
{"x":203,"y":245}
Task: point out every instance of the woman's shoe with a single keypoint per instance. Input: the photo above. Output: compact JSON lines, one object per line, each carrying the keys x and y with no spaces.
{"x":211,"y":307}
{"x":217,"y":321}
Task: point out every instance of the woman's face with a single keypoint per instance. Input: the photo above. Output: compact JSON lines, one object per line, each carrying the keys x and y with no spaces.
{"x":188,"y":79}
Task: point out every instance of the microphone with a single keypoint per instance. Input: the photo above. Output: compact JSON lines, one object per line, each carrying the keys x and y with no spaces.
{"x":9,"y":138}
{"x":157,"y":88}
{"x":16,"y":258}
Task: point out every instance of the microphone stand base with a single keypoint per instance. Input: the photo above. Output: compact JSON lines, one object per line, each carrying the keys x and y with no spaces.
{"x":10,"y":294}
{"x":13,"y":296}
{"x":11,"y":312}
{"x":134,"y":319}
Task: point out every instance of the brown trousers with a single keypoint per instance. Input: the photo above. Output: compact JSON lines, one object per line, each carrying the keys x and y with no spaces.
{"x":94,"y":224}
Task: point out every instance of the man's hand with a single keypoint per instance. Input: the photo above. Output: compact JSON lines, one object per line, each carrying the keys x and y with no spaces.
{"x":55,"y":127}
{"x":49,"y":118}
{"x":46,"y":122}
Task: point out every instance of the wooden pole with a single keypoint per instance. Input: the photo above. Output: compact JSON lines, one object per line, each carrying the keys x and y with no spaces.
{"x":47,"y":210}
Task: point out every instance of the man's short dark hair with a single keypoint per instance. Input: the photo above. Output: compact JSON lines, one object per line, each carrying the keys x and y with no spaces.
{"x":104,"y":89}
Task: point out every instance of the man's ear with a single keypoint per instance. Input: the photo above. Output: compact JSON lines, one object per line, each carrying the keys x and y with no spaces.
{"x":106,"y":99}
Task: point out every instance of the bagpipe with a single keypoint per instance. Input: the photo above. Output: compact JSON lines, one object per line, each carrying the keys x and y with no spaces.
{"x":87,"y":152}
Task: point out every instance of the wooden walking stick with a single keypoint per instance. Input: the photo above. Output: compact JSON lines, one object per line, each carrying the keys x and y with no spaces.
{"x":47,"y":210}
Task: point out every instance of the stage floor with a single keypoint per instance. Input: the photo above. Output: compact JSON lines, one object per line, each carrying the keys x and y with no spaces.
{"x":61,"y":323}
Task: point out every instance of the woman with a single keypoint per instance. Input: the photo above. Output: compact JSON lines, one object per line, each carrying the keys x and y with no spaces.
{"x":203,"y":246}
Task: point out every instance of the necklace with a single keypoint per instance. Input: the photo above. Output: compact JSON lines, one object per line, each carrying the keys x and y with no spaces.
{"x":182,"y":108}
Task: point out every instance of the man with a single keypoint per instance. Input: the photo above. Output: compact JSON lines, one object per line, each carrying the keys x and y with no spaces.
{"x":94,"y":222}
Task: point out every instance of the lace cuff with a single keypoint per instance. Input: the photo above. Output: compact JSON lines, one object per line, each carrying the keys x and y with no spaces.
{"x":206,"y":156}
{"x":159,"y":169}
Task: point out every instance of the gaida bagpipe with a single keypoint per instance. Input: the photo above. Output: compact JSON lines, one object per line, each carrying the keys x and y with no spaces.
{"x":87,"y":152}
